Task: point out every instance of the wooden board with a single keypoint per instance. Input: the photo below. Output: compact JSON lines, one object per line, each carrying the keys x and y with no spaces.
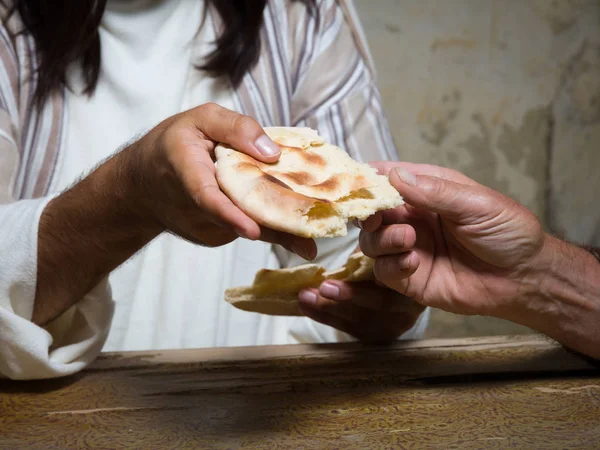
{"x":520,"y":392}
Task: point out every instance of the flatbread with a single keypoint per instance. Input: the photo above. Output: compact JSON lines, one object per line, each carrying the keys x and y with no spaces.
{"x":312,"y":191}
{"x":275,"y":292}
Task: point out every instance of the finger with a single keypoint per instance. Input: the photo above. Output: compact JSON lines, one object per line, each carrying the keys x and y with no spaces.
{"x":400,"y":214}
{"x":345,"y":310}
{"x":385,"y":168}
{"x":368,"y":295}
{"x":388,"y":240}
{"x":371,"y":223}
{"x":457,"y":202}
{"x":236,"y":130}
{"x":197,"y":173}
{"x":303,"y":247}
{"x":395,"y":271}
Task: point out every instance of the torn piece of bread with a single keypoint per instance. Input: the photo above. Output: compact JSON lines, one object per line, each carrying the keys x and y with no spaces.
{"x":275,"y":292}
{"x":312,"y":191}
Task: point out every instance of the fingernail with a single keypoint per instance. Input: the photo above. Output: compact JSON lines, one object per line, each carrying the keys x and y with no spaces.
{"x":308,"y":297}
{"x":266,"y":146}
{"x":406,"y":176}
{"x":329,"y":290}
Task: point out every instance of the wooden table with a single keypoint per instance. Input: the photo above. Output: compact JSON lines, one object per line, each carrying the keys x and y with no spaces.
{"x":519,"y":392}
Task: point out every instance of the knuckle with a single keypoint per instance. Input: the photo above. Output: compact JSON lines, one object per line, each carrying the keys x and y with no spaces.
{"x":381,"y":240}
{"x":245,"y":126}
{"x":443,"y":193}
{"x":203,"y":196}
{"x":485,"y":203}
{"x":439,"y":189}
{"x":387,"y":272}
{"x":454,"y":174}
{"x":384,"y":269}
{"x":209,"y":108}
{"x":426,"y":302}
{"x":380,"y":270}
{"x":395,"y":237}
{"x":170,"y":136}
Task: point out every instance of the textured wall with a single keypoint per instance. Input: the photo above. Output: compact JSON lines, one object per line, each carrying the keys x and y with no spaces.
{"x":507,"y":91}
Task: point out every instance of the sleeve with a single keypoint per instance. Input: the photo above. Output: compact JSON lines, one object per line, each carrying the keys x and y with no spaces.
{"x":73,"y":340}
{"x":336,"y":94}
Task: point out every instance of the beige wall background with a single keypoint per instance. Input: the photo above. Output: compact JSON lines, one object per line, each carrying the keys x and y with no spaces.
{"x":506,"y":91}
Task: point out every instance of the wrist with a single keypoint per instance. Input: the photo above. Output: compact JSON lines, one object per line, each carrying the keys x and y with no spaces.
{"x":85,"y":233}
{"x":135,"y":170}
{"x":560,"y":296}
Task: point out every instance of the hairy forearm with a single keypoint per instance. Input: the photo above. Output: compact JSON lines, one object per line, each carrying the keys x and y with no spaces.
{"x":565,"y":304}
{"x":88,"y":231}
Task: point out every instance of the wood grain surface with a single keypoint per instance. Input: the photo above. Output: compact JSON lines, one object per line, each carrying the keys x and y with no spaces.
{"x":520,"y":392}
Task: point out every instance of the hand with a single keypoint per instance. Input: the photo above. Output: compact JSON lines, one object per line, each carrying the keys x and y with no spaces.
{"x":455,"y":245}
{"x":178,"y":187}
{"x":164,"y":181}
{"x":365,"y":310}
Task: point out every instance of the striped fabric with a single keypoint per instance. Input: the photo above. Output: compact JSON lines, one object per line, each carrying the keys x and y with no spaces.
{"x":310,"y":73}
{"x":32,"y":136}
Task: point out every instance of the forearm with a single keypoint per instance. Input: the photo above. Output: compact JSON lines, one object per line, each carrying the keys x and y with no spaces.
{"x":565,"y":304}
{"x":88,"y":231}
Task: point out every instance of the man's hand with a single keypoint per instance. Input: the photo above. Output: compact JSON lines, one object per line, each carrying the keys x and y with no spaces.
{"x":176,"y":183}
{"x":479,"y":252}
{"x":369,"y":312}
{"x":474,"y":246}
{"x":163,"y":182}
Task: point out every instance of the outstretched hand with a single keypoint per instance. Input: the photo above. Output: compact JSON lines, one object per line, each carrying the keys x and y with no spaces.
{"x":473,"y":247}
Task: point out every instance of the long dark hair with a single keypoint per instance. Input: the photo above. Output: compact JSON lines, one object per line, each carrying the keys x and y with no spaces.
{"x":66,"y":32}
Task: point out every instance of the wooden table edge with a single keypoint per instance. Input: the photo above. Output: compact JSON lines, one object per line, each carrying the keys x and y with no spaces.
{"x":546,"y":350}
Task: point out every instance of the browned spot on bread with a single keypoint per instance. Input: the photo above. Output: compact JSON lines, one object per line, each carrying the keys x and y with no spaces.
{"x":329,"y":184}
{"x":302,"y":178}
{"x":308,"y":156}
{"x":313,"y":158}
{"x":359,"y":182}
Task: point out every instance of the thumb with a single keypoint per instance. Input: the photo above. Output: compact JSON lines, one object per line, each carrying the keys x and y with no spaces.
{"x":451,"y":200}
